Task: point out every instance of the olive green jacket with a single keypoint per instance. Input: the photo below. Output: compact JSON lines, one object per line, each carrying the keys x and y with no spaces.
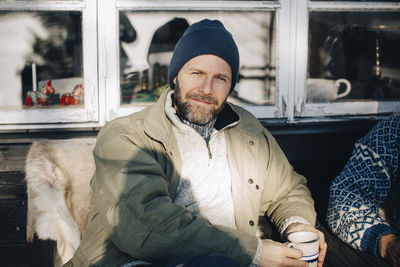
{"x":137,"y":172}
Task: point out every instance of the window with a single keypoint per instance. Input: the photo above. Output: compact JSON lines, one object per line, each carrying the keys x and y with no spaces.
{"x":42,"y":59}
{"x":147,"y":34}
{"x":352,"y":56}
{"x":80,"y":63}
{"x":352,"y":65}
{"x":144,"y":67}
{"x":49,"y":64}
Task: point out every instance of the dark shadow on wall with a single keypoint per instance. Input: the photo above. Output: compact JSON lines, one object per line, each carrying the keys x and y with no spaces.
{"x":319,"y":151}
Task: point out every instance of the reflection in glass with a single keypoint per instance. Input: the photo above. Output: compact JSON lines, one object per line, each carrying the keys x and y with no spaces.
{"x":41,"y":55}
{"x":360,"y":49}
{"x":147,"y":40}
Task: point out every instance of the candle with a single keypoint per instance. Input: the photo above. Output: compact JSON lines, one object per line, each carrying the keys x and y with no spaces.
{"x":34,"y":86}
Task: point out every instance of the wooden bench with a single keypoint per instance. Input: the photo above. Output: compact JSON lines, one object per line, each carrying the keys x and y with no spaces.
{"x":318,"y":151}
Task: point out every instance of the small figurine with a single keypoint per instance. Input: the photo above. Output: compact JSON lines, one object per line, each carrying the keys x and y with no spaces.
{"x":64,"y":99}
{"x":47,"y":88}
{"x":74,"y":98}
{"x":78,"y":90}
{"x":43,"y":99}
{"x":77,"y":95}
{"x":28,"y":101}
{"x":43,"y":96}
{"x":31,"y":98}
{"x":71,"y":100}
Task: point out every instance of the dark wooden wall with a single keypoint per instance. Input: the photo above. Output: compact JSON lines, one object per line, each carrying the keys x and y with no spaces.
{"x":319,"y":151}
{"x":14,"y":250}
{"x":13,"y":205}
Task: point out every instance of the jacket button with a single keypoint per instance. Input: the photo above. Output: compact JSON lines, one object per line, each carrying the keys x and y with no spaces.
{"x":250,"y":181}
{"x":257,"y":187}
{"x":251,"y":223}
{"x":251,"y":142}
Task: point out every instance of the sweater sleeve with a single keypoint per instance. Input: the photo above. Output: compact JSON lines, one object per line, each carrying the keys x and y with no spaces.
{"x":358,"y":192}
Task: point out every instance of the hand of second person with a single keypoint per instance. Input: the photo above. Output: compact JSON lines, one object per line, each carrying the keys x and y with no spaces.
{"x":296,"y":227}
{"x":390,"y":248}
{"x":277,"y":254}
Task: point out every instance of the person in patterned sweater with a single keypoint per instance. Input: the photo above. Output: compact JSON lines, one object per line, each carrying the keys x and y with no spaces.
{"x":364,"y":201}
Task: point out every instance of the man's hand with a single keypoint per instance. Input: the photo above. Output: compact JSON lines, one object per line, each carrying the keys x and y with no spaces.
{"x":390,"y":248}
{"x":277,"y":254}
{"x":296,"y":227}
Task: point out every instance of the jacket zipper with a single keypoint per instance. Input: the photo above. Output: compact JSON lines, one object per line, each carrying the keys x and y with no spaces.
{"x":209,"y":151}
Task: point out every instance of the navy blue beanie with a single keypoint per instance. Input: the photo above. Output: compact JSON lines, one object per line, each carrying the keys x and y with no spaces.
{"x":201,"y":38}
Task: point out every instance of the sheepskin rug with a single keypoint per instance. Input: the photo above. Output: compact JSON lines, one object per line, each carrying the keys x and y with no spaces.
{"x":58,"y":174}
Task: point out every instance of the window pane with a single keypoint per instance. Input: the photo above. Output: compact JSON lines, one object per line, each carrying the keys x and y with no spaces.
{"x":147,"y":40}
{"x":41,"y":55}
{"x":360,"y":49}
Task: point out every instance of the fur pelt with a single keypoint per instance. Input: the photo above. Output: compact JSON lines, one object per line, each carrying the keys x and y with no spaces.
{"x":58,"y":174}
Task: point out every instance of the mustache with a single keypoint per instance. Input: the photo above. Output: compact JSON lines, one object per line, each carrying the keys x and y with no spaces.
{"x":204,"y":98}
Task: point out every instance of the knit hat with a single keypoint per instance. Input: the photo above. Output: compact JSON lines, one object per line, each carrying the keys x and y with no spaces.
{"x":201,"y":38}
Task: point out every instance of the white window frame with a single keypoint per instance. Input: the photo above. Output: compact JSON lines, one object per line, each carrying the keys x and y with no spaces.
{"x":87,"y":116}
{"x":109,"y":48}
{"x":314,"y":110}
{"x":100,"y":29}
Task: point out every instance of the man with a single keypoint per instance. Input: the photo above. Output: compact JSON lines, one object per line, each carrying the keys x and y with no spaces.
{"x":364,"y":204}
{"x":185,"y":181}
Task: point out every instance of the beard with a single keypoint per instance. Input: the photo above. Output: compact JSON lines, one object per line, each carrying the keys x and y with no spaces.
{"x":197,"y":114}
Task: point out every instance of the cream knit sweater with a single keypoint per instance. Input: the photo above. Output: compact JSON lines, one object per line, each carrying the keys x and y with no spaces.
{"x":205,"y":185}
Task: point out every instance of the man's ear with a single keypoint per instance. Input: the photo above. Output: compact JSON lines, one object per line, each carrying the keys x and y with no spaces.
{"x":174,"y":80}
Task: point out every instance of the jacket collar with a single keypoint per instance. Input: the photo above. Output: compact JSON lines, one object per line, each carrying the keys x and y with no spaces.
{"x":227,"y":117}
{"x":156,"y":123}
{"x":158,"y":126}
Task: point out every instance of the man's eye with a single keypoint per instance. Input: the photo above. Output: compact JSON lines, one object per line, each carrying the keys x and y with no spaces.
{"x":196,"y":73}
{"x":222,"y":78}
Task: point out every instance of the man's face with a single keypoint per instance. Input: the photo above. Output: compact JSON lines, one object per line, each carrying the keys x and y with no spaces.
{"x":201,"y":88}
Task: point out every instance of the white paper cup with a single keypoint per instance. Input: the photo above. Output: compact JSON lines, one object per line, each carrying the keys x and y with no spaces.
{"x":308,"y":242}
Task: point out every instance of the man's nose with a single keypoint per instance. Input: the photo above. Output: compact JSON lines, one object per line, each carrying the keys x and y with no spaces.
{"x":207,"y":85}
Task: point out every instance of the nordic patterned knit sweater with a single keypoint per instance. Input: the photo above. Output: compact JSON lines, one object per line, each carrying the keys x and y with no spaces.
{"x":364,"y":201}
